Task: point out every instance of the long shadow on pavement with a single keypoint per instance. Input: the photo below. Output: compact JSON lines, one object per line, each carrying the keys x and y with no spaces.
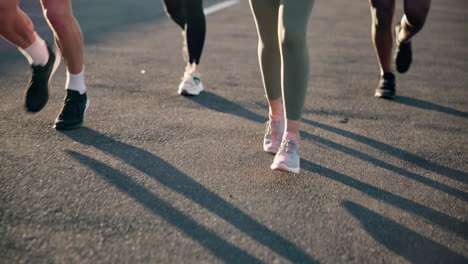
{"x":222,"y":249}
{"x":402,"y":240}
{"x":396,"y":152}
{"x":219,"y":104}
{"x":429,"y":106}
{"x":169,"y":176}
{"x":447,"y":222}
{"x":357,"y":154}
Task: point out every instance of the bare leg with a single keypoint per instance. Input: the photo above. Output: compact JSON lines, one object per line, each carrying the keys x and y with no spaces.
{"x":15,"y":25}
{"x":67,"y":32}
{"x":382,"y":15}
{"x":415,"y":16}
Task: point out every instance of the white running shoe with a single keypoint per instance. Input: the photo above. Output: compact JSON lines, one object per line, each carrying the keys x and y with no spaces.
{"x":191,"y":84}
{"x":273,"y":135}
{"x":287,"y":159}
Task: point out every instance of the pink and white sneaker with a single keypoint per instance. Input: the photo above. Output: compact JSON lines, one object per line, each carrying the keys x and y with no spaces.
{"x":288,"y":158}
{"x":191,"y":83}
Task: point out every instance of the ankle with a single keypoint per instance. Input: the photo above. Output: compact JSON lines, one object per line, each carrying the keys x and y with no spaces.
{"x":275,"y":108}
{"x":37,"y":53}
{"x":191,"y":68}
{"x":388,"y":75}
{"x":289,"y":135}
{"x":275,"y":116}
{"x":76,"y":82}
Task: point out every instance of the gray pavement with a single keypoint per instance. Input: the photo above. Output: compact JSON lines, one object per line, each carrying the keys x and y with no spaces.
{"x":154,"y":177}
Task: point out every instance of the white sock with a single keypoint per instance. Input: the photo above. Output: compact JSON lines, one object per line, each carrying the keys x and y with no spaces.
{"x":37,"y":53}
{"x":76,"y":82}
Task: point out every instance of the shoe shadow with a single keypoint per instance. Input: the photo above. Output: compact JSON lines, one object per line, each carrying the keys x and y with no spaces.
{"x":400,"y":239}
{"x":362,"y":156}
{"x":219,"y":104}
{"x":396,"y":152}
{"x":429,"y":106}
{"x":167,"y":175}
{"x":445,"y":221}
{"x":222,"y":249}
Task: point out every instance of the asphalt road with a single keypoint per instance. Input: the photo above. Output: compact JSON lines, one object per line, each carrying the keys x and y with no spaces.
{"x":154,"y":177}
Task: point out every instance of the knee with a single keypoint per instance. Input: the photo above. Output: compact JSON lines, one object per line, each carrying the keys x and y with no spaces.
{"x":382,"y":12}
{"x":417,"y":19}
{"x":59,"y":16}
{"x":268,"y":46}
{"x":292,"y":39}
{"x":416,"y":24}
{"x":267,"y":38}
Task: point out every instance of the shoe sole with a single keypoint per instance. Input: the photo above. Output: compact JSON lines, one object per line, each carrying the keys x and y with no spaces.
{"x":285,"y":169}
{"x":187,"y":93}
{"x":68,"y":127}
{"x":384,"y":96}
{"x":271,"y":151}
{"x":54,"y":69}
{"x":75,"y":125}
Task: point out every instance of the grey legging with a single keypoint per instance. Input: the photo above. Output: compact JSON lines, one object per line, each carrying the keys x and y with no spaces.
{"x":282,"y":33}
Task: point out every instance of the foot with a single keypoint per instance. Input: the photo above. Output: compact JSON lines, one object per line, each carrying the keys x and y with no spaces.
{"x":191,"y":84}
{"x":37,"y":94}
{"x":273,"y":135}
{"x":73,"y":111}
{"x":287,"y":158}
{"x":403,"y":53}
{"x":386,"y":88}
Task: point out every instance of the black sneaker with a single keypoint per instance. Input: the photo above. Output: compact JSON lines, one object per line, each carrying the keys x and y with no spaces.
{"x":73,"y":111}
{"x":37,"y":94}
{"x":386,"y":87}
{"x":403,"y":53}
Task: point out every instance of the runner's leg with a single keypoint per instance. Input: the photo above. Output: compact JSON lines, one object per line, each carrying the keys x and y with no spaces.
{"x":294,"y":18}
{"x":15,"y":25}
{"x":195,"y":29}
{"x":416,"y":12}
{"x":17,"y":28}
{"x":69,"y":39}
{"x":67,"y":32}
{"x":266,"y":18}
{"x":382,"y":15}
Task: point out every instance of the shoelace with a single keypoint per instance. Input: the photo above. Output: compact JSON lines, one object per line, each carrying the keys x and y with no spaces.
{"x":69,"y":106}
{"x":288,"y":146}
{"x":269,"y":127}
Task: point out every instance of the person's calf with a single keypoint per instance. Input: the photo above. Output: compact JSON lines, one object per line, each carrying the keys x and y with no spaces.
{"x":410,"y":26}
{"x":382,"y":14}
{"x":60,"y":20}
